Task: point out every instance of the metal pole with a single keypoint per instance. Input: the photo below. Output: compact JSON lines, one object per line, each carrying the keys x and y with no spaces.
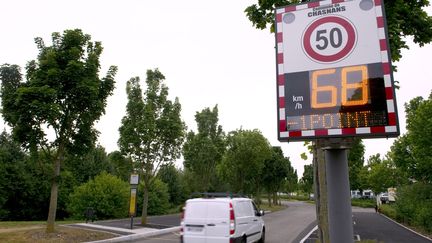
{"x":339,"y":200}
{"x":132,"y":222}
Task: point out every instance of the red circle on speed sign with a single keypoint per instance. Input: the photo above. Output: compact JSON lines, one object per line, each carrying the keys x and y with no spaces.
{"x":326,"y":39}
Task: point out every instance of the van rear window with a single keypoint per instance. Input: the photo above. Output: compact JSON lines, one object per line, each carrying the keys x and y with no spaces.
{"x":207,"y":210}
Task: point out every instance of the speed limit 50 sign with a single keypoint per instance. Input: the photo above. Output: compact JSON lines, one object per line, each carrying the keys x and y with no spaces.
{"x":334,"y":71}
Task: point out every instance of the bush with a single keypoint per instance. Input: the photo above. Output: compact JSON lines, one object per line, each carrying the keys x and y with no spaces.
{"x":106,"y":194}
{"x":414,"y":205}
{"x":389,"y":210}
{"x":364,"y":203}
{"x":158,"y":198}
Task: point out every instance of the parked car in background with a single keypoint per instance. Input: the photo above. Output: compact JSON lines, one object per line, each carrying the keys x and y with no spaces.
{"x":222,"y":220}
{"x":384,"y":198}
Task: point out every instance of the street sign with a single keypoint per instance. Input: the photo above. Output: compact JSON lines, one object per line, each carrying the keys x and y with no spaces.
{"x":334,"y":75}
{"x":134,"y":179}
{"x":132,"y":202}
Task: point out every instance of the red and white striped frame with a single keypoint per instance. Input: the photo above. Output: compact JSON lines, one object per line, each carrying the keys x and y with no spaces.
{"x":379,"y":131}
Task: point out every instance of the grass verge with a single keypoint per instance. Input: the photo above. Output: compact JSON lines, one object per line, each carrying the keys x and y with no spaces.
{"x":63,"y":234}
{"x":363,"y":203}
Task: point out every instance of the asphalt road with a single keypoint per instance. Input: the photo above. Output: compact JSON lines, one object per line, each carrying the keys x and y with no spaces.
{"x":369,"y":225}
{"x":167,"y":238}
{"x":285,"y":225}
{"x":156,"y":222}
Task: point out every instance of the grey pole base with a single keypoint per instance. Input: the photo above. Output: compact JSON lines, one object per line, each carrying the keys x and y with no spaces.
{"x":339,"y":199}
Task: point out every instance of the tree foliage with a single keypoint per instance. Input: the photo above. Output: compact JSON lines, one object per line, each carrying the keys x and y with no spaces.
{"x":62,"y":95}
{"x":383,"y":174}
{"x":121,"y":165}
{"x":291,"y":182}
{"x":306,"y":182}
{"x":158,"y":202}
{"x":23,"y":190}
{"x":152,"y":132}
{"x":356,"y":163}
{"x":244,"y":160}
{"x":169,"y":175}
{"x":276,"y":170}
{"x":412,"y":152}
{"x":86,"y":166}
{"x":202,"y":151}
{"x":404,"y":18}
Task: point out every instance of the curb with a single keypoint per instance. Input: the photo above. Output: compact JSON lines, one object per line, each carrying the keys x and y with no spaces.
{"x":133,"y":237}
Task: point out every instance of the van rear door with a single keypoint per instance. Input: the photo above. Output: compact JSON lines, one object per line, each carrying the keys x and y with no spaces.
{"x":218,"y":221}
{"x":206,"y":222}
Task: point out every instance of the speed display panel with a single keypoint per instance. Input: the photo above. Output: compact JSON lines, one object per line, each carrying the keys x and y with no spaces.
{"x":334,"y":71}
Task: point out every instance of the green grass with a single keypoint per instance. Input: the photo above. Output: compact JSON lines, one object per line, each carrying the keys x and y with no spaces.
{"x":363,"y":203}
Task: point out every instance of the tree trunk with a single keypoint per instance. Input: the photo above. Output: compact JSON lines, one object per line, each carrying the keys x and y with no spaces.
{"x":54,"y":193}
{"x":269,"y":199}
{"x":275,"y":198}
{"x":145,"y":204}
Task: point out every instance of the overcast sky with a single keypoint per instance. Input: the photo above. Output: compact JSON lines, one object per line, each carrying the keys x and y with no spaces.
{"x":208,"y":51}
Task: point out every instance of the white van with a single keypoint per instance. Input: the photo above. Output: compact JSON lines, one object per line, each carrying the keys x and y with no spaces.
{"x":221,"y":220}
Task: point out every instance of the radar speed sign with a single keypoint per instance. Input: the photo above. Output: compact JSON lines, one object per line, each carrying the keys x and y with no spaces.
{"x":334,"y":74}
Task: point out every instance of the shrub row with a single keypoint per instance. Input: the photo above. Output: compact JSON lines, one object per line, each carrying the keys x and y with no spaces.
{"x":414,"y":205}
{"x":109,"y":196}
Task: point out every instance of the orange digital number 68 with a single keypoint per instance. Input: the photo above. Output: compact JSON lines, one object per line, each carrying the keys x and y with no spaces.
{"x":360,"y":99}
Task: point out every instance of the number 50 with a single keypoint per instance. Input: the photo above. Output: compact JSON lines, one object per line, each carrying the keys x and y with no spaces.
{"x":345,"y":86}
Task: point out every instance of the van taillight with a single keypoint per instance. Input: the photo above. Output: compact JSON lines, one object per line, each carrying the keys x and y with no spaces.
{"x":232,"y":220}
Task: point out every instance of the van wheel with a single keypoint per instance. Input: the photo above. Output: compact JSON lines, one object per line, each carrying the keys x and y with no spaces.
{"x":262,"y":237}
{"x":243,"y":239}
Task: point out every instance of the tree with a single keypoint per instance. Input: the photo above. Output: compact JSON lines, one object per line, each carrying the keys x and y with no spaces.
{"x":404,"y":18}
{"x":169,"y":175}
{"x":63,"y":96}
{"x":243,"y":161}
{"x":412,"y":152}
{"x":152,"y":132}
{"x":355,"y":163}
{"x":204,"y":150}
{"x":13,"y":177}
{"x":86,"y":166}
{"x":306,"y":181}
{"x":276,"y":170}
{"x":121,"y":165}
{"x":382,"y":174}
{"x":291,"y":182}
{"x":158,"y":203}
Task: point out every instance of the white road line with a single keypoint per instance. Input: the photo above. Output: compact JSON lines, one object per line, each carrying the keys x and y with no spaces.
{"x":307,"y":236}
